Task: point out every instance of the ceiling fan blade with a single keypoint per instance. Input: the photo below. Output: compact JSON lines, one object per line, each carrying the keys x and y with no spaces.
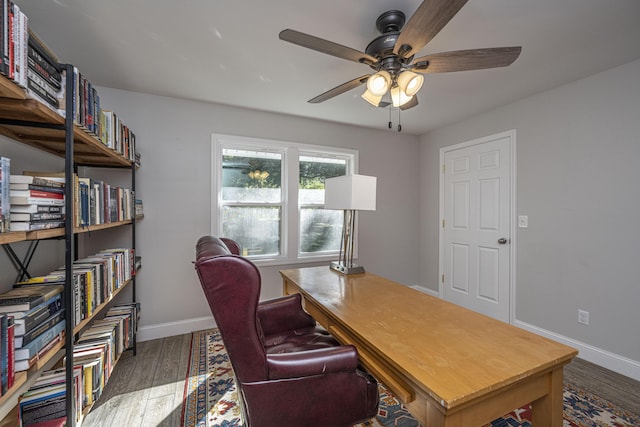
{"x":344,"y":87}
{"x":325,"y":46}
{"x":464,"y":60}
{"x":427,"y":21}
{"x":412,"y":103}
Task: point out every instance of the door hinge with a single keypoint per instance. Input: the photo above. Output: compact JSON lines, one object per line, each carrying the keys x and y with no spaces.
{"x":443,"y":168}
{"x":443,"y":278}
{"x":443,"y":223}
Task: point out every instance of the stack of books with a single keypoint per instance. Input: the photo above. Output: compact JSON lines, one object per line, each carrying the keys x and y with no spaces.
{"x":44,"y":81}
{"x":37,"y":203}
{"x":44,"y":404}
{"x":14,"y":41}
{"x":100,"y":203}
{"x":100,"y":346}
{"x":36,"y":310}
{"x":5,"y":202}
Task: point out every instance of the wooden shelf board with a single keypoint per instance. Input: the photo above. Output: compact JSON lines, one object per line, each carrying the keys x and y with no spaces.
{"x":88,"y":149}
{"x":12,"y":237}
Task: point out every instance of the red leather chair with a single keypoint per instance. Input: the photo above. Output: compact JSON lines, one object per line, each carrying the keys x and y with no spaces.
{"x":289,"y":371}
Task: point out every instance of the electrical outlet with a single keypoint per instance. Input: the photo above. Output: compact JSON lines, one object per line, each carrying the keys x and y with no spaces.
{"x":583,"y":317}
{"x":523,"y":221}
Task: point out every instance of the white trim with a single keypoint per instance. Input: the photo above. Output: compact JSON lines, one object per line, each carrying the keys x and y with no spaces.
{"x":614,"y":362}
{"x":290,"y":209}
{"x":169,"y":329}
{"x":511,"y":135}
{"x":426,"y":291}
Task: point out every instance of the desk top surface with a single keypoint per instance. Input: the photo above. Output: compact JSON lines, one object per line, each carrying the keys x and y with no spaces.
{"x":452,"y":352}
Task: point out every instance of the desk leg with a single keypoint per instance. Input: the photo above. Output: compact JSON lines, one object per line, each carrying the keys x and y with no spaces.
{"x":547,"y":411}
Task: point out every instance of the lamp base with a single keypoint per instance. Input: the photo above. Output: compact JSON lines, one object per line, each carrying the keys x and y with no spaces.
{"x":343,"y":269}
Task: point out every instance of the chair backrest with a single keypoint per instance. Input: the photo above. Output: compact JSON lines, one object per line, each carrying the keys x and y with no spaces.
{"x":231,"y":285}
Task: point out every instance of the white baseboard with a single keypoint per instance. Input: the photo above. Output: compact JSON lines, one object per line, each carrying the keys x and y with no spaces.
{"x":611,"y":361}
{"x":426,"y":290}
{"x":162,"y":330}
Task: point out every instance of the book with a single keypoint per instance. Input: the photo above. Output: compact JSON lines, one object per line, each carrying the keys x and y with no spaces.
{"x":5,"y":199}
{"x":13,"y":187}
{"x":26,"y":298}
{"x":36,"y":216}
{"x":23,"y":365}
{"x":37,"y":194}
{"x":27,"y":200}
{"x":31,"y":349}
{"x":4,"y":353}
{"x":35,"y":208}
{"x":35,"y":225}
{"x":36,"y":315}
{"x":37,"y":180}
{"x":24,"y":339}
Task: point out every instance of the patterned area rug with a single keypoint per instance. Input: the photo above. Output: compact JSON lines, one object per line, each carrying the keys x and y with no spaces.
{"x":211,"y":398}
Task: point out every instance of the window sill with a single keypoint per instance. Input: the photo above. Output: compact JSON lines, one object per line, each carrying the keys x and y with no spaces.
{"x":270,"y":262}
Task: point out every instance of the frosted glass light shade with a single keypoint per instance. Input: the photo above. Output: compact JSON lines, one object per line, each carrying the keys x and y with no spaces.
{"x":410,"y":82}
{"x":378,"y":83}
{"x":355,"y":192}
{"x":398,"y":97}
{"x":371,"y":99}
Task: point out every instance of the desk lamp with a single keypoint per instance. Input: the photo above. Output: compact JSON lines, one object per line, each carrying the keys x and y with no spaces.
{"x":350,"y":193}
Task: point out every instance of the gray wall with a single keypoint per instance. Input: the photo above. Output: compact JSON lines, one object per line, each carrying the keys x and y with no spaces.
{"x":174,"y":138}
{"x":578,"y":180}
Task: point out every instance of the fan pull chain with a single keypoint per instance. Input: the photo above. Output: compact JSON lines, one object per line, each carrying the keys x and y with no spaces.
{"x":390,"y":123}
{"x":399,"y":124}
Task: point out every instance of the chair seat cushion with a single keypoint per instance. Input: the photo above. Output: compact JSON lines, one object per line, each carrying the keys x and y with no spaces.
{"x":303,"y":339}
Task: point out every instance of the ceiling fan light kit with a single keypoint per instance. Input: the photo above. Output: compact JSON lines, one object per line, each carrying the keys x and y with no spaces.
{"x":391,"y":55}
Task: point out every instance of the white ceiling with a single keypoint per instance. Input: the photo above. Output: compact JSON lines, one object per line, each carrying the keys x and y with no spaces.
{"x":228,"y":51}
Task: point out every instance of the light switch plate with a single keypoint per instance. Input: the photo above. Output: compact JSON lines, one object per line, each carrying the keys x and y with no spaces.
{"x":523,"y":221}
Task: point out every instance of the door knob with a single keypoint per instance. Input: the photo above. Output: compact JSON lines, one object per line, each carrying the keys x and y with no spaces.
{"x":502,"y":240}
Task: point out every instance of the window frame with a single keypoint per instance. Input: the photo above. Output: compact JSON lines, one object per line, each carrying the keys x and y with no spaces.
{"x":290,"y":221}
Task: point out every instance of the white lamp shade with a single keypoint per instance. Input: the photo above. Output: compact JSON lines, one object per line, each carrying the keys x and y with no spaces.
{"x":398,"y":97}
{"x":410,"y":82}
{"x":357,"y":192}
{"x":371,"y":99}
{"x":378,"y":83}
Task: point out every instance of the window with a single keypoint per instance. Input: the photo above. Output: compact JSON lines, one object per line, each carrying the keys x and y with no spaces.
{"x":269,"y":196}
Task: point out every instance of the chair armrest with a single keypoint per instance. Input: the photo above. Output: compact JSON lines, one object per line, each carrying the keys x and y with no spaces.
{"x":283,"y":314}
{"x":312,"y":362}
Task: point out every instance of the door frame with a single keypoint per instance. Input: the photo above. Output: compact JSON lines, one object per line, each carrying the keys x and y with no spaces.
{"x":511,"y":135}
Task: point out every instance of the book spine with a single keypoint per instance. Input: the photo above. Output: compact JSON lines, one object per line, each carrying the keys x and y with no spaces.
{"x":11,"y":362}
{"x":53,"y":79}
{"x":36,"y":201}
{"x":49,"y":323}
{"x":37,"y":344}
{"x":4,"y":353}
{"x":35,"y":225}
{"x":6,"y":194}
{"x":44,"y":188}
{"x":46,"y":57}
{"x":42,"y":94}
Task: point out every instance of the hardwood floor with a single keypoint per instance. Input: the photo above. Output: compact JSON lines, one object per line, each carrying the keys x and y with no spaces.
{"x":147,"y":390}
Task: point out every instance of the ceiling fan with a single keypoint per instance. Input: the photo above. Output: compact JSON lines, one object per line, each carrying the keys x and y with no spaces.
{"x":391,"y":55}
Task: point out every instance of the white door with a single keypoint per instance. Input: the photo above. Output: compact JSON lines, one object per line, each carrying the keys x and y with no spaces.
{"x":476,"y":228}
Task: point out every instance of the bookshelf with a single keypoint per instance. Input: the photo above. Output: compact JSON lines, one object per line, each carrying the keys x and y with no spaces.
{"x":28,"y":121}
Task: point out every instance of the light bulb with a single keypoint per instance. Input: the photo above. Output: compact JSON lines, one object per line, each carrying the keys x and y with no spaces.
{"x":378,"y":83}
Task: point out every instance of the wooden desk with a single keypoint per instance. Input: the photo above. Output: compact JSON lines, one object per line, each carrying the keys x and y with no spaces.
{"x":450,"y":366}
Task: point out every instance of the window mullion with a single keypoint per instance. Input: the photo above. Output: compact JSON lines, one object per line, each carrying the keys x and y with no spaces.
{"x":291,"y":205}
